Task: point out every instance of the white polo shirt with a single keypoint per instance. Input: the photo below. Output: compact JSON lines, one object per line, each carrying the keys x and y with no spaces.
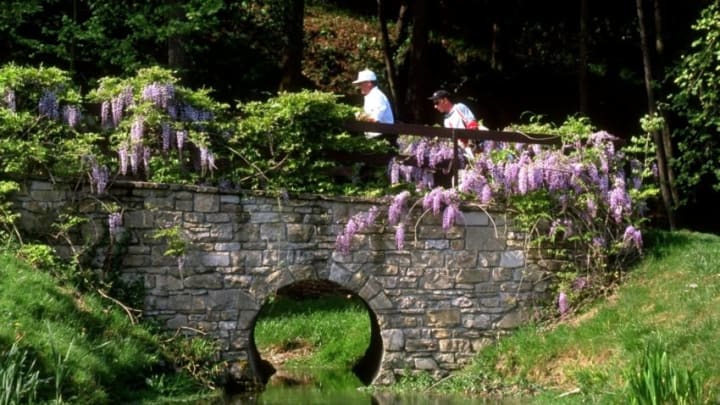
{"x":377,"y":106}
{"x":459,"y":116}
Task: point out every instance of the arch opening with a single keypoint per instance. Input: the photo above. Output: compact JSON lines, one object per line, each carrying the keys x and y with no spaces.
{"x":296,"y":325}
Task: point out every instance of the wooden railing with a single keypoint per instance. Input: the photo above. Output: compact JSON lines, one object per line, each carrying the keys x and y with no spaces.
{"x":454,"y":134}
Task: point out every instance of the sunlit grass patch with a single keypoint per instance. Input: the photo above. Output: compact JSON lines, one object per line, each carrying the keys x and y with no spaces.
{"x":333,"y":331}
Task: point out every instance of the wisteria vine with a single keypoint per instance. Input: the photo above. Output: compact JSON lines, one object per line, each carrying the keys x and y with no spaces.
{"x":592,"y":189}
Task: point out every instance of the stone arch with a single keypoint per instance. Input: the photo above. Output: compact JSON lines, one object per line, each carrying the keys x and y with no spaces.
{"x":353,"y":279}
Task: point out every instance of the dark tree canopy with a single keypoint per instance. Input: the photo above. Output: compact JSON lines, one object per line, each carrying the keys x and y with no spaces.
{"x":502,"y":58}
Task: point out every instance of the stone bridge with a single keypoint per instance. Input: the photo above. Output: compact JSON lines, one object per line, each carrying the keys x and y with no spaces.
{"x":432,"y":305}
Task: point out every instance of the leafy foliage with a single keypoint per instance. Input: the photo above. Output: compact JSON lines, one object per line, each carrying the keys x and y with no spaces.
{"x":40,"y":119}
{"x":294,"y":141}
{"x":697,"y":100}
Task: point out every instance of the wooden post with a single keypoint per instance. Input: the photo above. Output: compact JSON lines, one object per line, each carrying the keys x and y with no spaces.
{"x":455,"y":160}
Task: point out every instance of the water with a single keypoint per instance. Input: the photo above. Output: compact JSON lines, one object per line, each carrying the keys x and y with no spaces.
{"x":334,"y":387}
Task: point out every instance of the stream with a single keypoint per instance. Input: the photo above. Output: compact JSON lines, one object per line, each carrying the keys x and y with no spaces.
{"x":338,"y":387}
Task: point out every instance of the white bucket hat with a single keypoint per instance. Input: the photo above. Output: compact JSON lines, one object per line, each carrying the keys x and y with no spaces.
{"x":365,"y":76}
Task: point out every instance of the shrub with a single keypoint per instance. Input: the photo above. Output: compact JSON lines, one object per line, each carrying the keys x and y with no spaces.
{"x":656,"y":380}
{"x":295,"y":141}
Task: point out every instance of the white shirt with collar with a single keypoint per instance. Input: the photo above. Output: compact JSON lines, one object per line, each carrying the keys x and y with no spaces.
{"x":459,"y":116}
{"x":377,"y":107}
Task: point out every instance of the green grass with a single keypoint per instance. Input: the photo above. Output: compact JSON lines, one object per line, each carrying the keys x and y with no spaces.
{"x":669,"y":302}
{"x":84,"y":347}
{"x":335,"y":329}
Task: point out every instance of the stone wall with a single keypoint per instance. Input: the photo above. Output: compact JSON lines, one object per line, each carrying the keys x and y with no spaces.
{"x":433,"y":305}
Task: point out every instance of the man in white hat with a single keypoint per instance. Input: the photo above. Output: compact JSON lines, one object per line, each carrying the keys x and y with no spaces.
{"x":376,"y":107}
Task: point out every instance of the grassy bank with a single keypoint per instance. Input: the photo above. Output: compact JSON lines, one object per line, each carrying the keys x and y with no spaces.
{"x":60,"y":346}
{"x":660,"y":327}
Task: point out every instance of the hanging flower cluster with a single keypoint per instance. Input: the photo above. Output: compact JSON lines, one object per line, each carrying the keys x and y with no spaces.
{"x":153,"y":118}
{"x":428,"y":155}
{"x":587,"y":184}
{"x":114,"y":224}
{"x":586,"y":181}
{"x":356,"y":224}
{"x":9,"y":99}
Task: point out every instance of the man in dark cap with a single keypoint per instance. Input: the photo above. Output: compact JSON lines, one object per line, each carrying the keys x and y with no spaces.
{"x":457,"y":115}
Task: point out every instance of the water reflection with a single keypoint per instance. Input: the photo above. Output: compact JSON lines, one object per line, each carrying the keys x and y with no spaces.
{"x":333,"y":387}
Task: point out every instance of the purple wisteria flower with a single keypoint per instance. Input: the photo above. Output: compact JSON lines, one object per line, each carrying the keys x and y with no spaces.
{"x":123,"y":157}
{"x":71,"y":115}
{"x":106,"y":121}
{"x":562,"y":302}
{"x":159,"y":94}
{"x":180,"y":139}
{"x":400,"y":236}
{"x":100,"y":176}
{"x":433,"y":200}
{"x":397,"y":207}
{"x":146,"y":159}
{"x":580,"y":283}
{"x":120,"y":103}
{"x":451,"y":214}
{"x":9,"y":98}
{"x":632,"y":237}
{"x":207,"y":160}
{"x":114,"y":224}
{"x":48,"y":105}
{"x":165,"y":133}
{"x":619,"y":200}
{"x":357,"y":223}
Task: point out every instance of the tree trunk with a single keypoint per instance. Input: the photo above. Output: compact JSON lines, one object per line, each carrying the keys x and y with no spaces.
{"x":291,"y":63}
{"x":583,"y":58}
{"x":388,"y":55}
{"x":176,"y":48}
{"x":667,"y":142}
{"x":660,"y":152}
{"x":418,"y":65}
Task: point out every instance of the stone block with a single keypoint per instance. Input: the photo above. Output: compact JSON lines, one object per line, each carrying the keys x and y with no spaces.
{"x":217,"y":259}
{"x":454,"y":345}
{"x":482,"y":239}
{"x":512,"y":259}
{"x":441,"y":318}
{"x":439,"y":244}
{"x":205,"y":281}
{"x":425,"y":363}
{"x":476,"y":321}
{"x":300,"y":233}
{"x":470,"y":276}
{"x":475,"y":219}
{"x":394,"y":339}
{"x":206,"y":202}
{"x":437,"y":281}
{"x":420,"y":345}
{"x":512,"y":320}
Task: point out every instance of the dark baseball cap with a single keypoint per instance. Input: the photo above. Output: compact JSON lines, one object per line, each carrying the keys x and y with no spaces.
{"x":439,"y":94}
